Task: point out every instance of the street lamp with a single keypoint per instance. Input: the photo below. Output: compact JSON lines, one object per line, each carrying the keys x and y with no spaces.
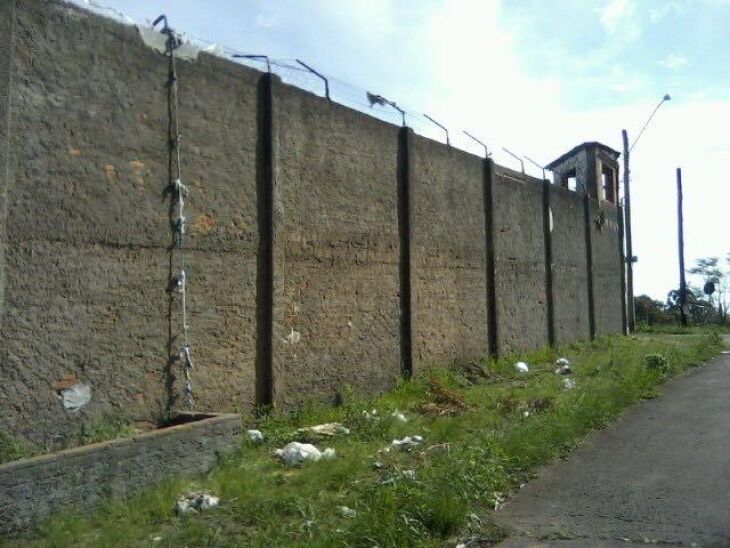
{"x":630,"y":259}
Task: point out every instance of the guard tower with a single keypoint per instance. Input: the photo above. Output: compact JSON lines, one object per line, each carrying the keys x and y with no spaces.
{"x":590,"y":167}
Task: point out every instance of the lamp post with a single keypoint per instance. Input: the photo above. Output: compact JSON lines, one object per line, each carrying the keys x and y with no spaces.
{"x":630,"y":259}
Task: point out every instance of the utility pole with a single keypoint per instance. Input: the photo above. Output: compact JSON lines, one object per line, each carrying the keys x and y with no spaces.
{"x":630,"y":259}
{"x":680,"y":228}
{"x":631,"y":320}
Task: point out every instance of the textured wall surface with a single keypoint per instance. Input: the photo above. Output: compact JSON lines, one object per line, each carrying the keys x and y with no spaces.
{"x":88,"y":229}
{"x":336,"y":249}
{"x":31,"y":489}
{"x":570,"y":281}
{"x":519,"y":248}
{"x":7,"y":25}
{"x":448,"y":255}
{"x":606,"y":268}
{"x":85,"y":239}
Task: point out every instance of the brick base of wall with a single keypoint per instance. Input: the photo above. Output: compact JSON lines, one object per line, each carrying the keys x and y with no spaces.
{"x":31,"y":489}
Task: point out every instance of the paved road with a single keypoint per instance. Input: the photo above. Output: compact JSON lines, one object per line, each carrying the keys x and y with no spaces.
{"x":660,"y":474}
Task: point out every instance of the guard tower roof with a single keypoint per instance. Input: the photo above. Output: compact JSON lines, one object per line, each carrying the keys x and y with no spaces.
{"x":587,"y":144}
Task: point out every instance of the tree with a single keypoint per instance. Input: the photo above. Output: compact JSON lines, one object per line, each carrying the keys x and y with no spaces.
{"x":699,"y":310}
{"x":709,"y":269}
{"x":650,"y":311}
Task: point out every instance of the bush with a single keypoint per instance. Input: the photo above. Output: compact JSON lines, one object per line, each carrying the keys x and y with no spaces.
{"x":656,"y":362}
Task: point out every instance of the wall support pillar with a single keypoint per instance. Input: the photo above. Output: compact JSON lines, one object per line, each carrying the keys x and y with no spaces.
{"x":265,"y":158}
{"x":548,"y":242}
{"x":405,"y":164}
{"x":589,"y":264}
{"x":491,"y":295}
{"x":622,"y":258}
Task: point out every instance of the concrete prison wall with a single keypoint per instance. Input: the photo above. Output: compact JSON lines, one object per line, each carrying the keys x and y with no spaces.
{"x":325,"y":248}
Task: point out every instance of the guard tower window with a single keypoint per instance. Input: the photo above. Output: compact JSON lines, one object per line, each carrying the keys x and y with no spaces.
{"x":570,"y":180}
{"x":608,"y":183}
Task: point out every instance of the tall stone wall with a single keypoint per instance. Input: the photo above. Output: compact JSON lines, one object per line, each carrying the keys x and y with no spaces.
{"x":336,"y":248}
{"x":606,"y":268}
{"x":570,"y":276}
{"x":326,"y":248}
{"x":88,"y":234}
{"x":448,"y":255}
{"x":519,"y":251}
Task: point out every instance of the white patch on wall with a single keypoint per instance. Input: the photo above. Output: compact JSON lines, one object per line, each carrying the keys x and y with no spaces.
{"x":550,"y":218}
{"x":294,"y":337}
{"x":158,"y":42}
{"x":76,"y":396}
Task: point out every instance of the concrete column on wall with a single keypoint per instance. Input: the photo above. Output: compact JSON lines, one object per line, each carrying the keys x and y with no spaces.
{"x":489,"y":234}
{"x":547,"y":228}
{"x":622,"y":256}
{"x":589,"y":264}
{"x":265,"y":158}
{"x":7,"y":24}
{"x":405,"y":163}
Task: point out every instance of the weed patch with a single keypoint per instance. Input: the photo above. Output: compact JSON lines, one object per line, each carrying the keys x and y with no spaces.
{"x":485,"y":429}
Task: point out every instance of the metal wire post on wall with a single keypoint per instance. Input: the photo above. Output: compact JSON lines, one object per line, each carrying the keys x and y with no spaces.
{"x":178,"y":191}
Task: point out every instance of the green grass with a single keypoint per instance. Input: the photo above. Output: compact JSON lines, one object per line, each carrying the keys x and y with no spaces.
{"x":468,"y":461}
{"x":12,"y":448}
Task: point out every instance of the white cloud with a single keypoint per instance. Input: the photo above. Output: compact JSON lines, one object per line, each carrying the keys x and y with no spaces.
{"x":619,"y":18}
{"x":665,"y":10}
{"x":674,"y":61}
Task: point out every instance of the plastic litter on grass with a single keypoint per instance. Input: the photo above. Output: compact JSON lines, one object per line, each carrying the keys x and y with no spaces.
{"x":407,"y":443}
{"x":255,"y":436}
{"x":522,"y":367}
{"x":295,"y":453}
{"x":327,"y":429}
{"x":195,"y":502}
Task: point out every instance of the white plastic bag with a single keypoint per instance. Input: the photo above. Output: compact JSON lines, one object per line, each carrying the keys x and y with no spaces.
{"x":295,"y":453}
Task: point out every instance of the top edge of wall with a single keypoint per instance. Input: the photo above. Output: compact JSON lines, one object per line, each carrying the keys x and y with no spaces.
{"x":131,"y":32}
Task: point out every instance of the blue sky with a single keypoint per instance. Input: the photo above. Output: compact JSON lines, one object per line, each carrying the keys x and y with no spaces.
{"x":534,"y":76}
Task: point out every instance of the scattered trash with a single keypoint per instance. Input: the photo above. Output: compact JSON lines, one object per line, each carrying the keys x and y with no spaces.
{"x":347,"y":512}
{"x":563,"y":366}
{"x":295,"y":453}
{"x":387,"y":480}
{"x":327,"y":429}
{"x":568,"y":384}
{"x":255,"y":436}
{"x":522,"y":367}
{"x":195,"y":502}
{"x":400,"y":417}
{"x":525,"y":414}
{"x":499,"y":498}
{"x":439,"y":446}
{"x":378,"y":465}
{"x":409,"y":474}
{"x":76,"y":396}
{"x":407,"y":443}
{"x":156,"y":539}
{"x":371,"y":415}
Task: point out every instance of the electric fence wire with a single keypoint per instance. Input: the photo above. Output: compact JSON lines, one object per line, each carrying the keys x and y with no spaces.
{"x":341,"y":91}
